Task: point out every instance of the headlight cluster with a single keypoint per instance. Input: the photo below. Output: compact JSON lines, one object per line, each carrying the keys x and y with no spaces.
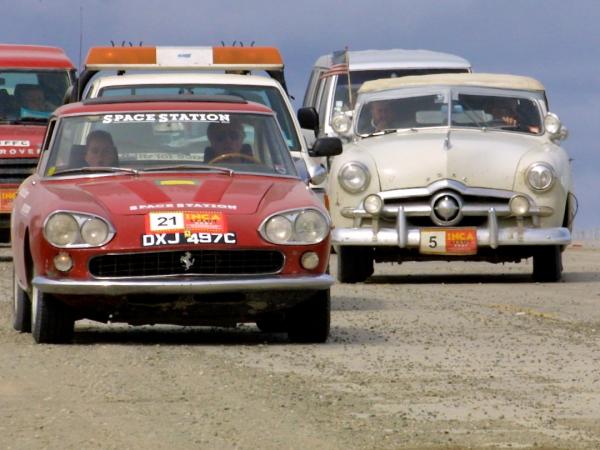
{"x":354,"y":177}
{"x":540,"y":176}
{"x":71,"y":230}
{"x":298,"y":227}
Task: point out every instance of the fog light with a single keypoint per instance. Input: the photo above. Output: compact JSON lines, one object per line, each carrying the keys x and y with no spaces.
{"x":519,"y":205}
{"x":309,"y":260}
{"x":373,"y":204}
{"x":63,"y":262}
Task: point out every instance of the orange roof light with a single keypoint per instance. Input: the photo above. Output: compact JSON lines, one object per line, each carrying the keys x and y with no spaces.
{"x":205,"y":58}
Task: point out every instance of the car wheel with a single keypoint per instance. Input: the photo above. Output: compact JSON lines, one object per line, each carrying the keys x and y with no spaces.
{"x":309,"y":321}
{"x":547,"y":264}
{"x":51,"y":321}
{"x":271,"y":323}
{"x":21,"y":307}
{"x":354,"y":264}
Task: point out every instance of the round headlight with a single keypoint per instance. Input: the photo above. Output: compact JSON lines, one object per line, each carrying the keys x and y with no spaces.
{"x":552,"y":123}
{"x":61,"y":230}
{"x":94,"y":231}
{"x":311,"y":227}
{"x":278,"y":229}
{"x":373,"y":204}
{"x":341,"y":123}
{"x":519,"y":205}
{"x":354,"y":177}
{"x":540,"y":176}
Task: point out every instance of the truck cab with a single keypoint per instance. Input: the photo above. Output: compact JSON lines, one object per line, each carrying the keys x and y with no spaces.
{"x":33,"y":82}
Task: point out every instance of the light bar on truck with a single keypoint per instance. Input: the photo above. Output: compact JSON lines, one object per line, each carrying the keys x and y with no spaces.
{"x":206,"y":58}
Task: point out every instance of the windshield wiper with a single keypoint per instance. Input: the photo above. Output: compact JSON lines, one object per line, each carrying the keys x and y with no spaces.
{"x":31,"y":120}
{"x":387,"y":131}
{"x":95,"y":170}
{"x":200,"y":167}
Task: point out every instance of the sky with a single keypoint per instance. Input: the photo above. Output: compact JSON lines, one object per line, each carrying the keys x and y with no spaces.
{"x":555,"y":41}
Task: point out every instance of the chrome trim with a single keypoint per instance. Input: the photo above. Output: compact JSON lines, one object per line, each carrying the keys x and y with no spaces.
{"x":189,"y":285}
{"x":445,"y":184}
{"x":435,"y":215}
{"x":402,"y":228}
{"x":493,"y":228}
{"x":505,"y":236}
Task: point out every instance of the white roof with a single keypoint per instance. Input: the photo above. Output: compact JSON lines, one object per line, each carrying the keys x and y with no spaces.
{"x":398,"y":59}
{"x":183,"y":78}
{"x":492,"y":80}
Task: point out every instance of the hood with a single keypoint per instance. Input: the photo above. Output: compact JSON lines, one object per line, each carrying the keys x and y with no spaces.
{"x":21,"y":141}
{"x":474,"y":157}
{"x":125,"y":195}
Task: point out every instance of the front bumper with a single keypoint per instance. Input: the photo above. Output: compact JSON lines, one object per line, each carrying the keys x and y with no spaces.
{"x":195,"y":285}
{"x":403,"y":236}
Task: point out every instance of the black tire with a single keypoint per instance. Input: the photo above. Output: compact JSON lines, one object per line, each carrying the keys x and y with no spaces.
{"x":309,"y":321}
{"x":354,"y":264}
{"x":21,"y":307}
{"x":547,"y":264}
{"x":51,"y":321}
{"x":272,"y":323}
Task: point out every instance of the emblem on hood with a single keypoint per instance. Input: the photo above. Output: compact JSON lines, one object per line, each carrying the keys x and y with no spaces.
{"x":187,"y":260}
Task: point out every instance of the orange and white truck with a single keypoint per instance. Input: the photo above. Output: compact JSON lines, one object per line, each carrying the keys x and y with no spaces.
{"x":33,"y":82}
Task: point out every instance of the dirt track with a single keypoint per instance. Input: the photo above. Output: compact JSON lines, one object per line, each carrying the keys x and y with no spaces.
{"x":423,"y":356}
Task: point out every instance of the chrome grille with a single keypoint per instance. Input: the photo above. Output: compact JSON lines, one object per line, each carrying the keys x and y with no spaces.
{"x":191,"y":262}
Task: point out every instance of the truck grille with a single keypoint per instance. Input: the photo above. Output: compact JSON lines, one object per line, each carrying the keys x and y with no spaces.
{"x":15,"y":170}
{"x":198,"y":262}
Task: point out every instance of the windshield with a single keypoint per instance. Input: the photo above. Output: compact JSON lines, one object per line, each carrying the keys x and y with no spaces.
{"x":31,"y":95}
{"x":341,"y":100}
{"x":414,"y":111}
{"x":265,"y":95}
{"x":167,"y":140}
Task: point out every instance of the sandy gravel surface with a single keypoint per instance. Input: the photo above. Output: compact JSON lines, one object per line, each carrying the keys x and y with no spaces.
{"x":422,"y":356}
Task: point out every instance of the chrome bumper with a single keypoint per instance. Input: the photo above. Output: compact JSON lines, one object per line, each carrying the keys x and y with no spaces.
{"x":404,"y":237}
{"x":115,"y":287}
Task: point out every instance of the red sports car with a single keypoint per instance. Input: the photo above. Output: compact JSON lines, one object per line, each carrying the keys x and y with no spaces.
{"x":185,"y":210}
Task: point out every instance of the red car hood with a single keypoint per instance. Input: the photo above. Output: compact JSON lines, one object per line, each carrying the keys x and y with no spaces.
{"x":21,"y":141}
{"x":124,"y":195}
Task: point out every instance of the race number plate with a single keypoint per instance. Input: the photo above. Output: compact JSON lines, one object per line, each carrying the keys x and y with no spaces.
{"x":7,"y":196}
{"x":448,"y":241}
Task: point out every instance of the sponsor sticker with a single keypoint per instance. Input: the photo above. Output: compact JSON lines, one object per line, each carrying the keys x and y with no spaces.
{"x":7,"y":197}
{"x":166,"y":117}
{"x":186,"y":221}
{"x":448,"y":241}
{"x":177,"y":182}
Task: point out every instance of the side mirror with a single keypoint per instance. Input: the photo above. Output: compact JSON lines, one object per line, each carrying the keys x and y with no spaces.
{"x":563,"y":133}
{"x":309,"y":119}
{"x":326,"y":146}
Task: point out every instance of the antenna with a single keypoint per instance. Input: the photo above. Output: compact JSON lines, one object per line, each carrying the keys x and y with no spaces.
{"x":80,"y":34}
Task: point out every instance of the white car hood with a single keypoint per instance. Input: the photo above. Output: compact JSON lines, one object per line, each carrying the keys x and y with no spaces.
{"x":474,"y":157}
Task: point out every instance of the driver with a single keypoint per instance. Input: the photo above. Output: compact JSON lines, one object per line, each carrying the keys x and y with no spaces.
{"x":226,"y":139}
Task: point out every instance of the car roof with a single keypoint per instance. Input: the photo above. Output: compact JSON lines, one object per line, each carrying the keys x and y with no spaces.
{"x":398,"y":59}
{"x":33,"y":57}
{"x":192,"y":103}
{"x":183,"y":78}
{"x":492,"y":80}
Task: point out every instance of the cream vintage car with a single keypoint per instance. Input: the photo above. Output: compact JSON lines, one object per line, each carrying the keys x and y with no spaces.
{"x":452,"y":167}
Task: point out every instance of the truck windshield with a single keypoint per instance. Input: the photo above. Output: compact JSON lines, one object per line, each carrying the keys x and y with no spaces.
{"x":341,"y":101}
{"x":265,"y":95}
{"x":30,"y":94}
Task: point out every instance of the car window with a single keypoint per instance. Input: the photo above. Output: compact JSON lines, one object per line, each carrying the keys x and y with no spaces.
{"x":30,"y":94}
{"x":148,"y":141}
{"x":265,"y":95}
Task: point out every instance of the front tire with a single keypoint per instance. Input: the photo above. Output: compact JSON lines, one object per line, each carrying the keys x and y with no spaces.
{"x":547,"y":264}
{"x":354,"y":264}
{"x":51,"y":321}
{"x":309,"y":321}
{"x":21,"y":307}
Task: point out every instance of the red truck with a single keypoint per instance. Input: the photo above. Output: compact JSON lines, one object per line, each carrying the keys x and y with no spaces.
{"x":33,"y":82}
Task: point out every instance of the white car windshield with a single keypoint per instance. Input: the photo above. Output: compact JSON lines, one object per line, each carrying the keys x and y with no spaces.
{"x":458,"y":109}
{"x":168,"y":140}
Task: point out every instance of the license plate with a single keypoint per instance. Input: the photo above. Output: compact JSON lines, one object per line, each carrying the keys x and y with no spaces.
{"x":448,"y":241}
{"x":7,"y":197}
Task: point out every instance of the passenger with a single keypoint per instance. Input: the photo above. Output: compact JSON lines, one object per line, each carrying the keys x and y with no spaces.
{"x":100,"y":150}
{"x":32,"y":102}
{"x":227,"y":139}
{"x":382,"y":116}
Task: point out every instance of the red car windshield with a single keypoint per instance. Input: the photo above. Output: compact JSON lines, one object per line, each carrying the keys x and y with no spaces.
{"x":169,"y":139}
